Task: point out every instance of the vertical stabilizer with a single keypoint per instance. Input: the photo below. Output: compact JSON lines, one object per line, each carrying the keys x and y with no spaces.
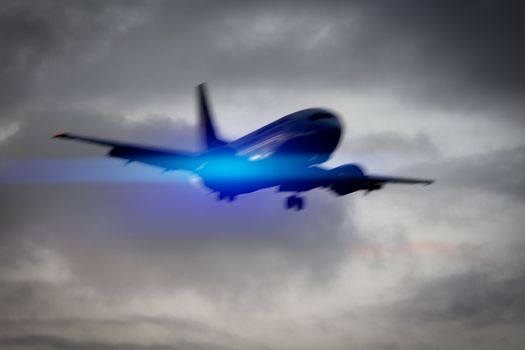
{"x":206,"y":123}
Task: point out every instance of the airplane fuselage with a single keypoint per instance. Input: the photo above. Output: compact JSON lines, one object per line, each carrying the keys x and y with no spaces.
{"x":286,"y":148}
{"x":307,"y":136}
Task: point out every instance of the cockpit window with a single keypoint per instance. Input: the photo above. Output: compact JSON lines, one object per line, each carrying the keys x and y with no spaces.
{"x":319,"y":116}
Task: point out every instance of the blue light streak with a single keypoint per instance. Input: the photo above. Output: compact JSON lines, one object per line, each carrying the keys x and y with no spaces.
{"x":86,"y":170}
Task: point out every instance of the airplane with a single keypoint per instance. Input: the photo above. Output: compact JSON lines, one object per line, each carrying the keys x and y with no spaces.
{"x":286,"y":154}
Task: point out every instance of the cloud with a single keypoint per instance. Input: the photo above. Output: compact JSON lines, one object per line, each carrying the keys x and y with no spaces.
{"x":95,"y":255}
{"x":465,"y":53}
{"x":152,"y":232}
{"x":475,"y":299}
{"x":135,"y":55}
{"x":36,"y":35}
{"x":496,"y":171}
{"x":59,"y":343}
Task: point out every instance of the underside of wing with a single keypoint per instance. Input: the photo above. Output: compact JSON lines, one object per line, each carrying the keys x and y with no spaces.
{"x":349,"y":178}
{"x":167,"y":159}
{"x":397,"y":180}
{"x":342,"y":180}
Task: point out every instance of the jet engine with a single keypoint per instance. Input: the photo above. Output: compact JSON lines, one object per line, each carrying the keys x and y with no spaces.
{"x":348,"y":171}
{"x":348,"y":178}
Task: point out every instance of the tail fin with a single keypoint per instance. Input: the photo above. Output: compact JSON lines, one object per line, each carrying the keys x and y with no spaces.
{"x":206,"y":123}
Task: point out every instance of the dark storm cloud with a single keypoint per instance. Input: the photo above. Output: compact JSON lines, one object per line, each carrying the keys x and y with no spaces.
{"x":173,"y":324}
{"x":475,"y":309}
{"x":176,"y":246}
{"x":59,"y":343}
{"x":157,"y":237}
{"x":499,"y":172}
{"x":37,"y":34}
{"x":475,"y":299}
{"x":75,"y":66}
{"x":33,"y":141}
{"x":445,"y":53}
{"x":161,"y":243}
{"x":467,"y":52}
{"x":191,"y":334}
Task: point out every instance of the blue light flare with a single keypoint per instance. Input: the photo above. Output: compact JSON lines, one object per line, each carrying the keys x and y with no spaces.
{"x":85,"y":170}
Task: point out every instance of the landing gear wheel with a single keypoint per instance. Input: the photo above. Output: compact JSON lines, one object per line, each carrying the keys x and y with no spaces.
{"x":290,"y":202}
{"x":226,"y":196}
{"x":295,"y":202}
{"x":299,"y":203}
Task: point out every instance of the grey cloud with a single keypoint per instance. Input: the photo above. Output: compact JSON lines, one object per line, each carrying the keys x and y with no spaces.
{"x":444,"y":53}
{"x":53,"y":332}
{"x":59,"y":343}
{"x":32,"y":141}
{"x":37,"y":34}
{"x":386,"y":150}
{"x":79,"y":66}
{"x":498,"y":172}
{"x":161,"y":243}
{"x":146,"y":227}
{"x":475,"y":299}
{"x":133,"y":239}
{"x":475,"y":309}
{"x":461,"y":53}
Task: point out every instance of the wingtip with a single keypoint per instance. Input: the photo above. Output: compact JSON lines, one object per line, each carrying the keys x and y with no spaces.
{"x":59,"y":135}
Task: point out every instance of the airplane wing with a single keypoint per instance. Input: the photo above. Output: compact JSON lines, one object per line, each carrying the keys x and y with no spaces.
{"x":167,"y":159}
{"x":397,"y":180}
{"x":351,"y":178}
{"x":342,"y":180}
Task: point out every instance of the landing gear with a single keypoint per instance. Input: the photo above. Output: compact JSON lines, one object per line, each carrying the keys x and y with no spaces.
{"x":224,"y":196}
{"x":295,"y":201}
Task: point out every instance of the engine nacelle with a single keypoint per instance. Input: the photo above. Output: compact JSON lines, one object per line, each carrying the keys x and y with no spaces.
{"x":348,"y":178}
{"x":348,"y":171}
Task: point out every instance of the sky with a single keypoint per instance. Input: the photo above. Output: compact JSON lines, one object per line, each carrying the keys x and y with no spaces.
{"x":95,"y":255}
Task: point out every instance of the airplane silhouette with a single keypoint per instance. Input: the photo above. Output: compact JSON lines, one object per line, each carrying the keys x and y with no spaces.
{"x":286,"y":154}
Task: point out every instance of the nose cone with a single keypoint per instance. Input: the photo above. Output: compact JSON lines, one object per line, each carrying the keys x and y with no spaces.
{"x":319,"y":117}
{"x":331,"y":132}
{"x":327,"y":129}
{"x":326,"y":121}
{"x":333,"y":122}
